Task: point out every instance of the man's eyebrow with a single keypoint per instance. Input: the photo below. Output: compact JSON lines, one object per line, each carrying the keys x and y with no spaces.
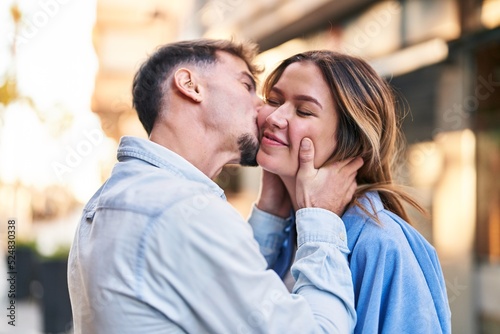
{"x":252,"y":80}
{"x":299,"y":97}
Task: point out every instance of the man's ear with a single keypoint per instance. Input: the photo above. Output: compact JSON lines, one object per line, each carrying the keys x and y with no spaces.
{"x":187,"y":84}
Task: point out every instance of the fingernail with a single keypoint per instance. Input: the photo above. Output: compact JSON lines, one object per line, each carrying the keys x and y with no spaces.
{"x":305,"y":144}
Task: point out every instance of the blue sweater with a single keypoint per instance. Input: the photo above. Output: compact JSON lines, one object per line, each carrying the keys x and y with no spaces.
{"x":398,"y":281}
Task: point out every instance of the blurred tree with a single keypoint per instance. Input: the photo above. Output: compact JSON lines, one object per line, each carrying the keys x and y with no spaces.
{"x":8,"y":90}
{"x":56,"y":118}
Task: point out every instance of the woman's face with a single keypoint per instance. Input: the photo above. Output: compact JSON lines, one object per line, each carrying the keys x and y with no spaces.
{"x":299,"y":105}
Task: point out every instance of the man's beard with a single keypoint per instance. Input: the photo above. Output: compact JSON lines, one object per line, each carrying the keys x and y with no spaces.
{"x":248,"y":147}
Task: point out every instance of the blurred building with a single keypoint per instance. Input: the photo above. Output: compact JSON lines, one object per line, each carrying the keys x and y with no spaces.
{"x":125,"y":33}
{"x":443,"y":57}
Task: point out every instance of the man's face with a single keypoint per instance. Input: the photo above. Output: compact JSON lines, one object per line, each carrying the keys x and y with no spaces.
{"x":299,"y":105}
{"x":233,"y":104}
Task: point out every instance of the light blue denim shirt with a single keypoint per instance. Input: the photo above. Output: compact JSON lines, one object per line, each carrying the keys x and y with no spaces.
{"x":159,"y":250}
{"x":398,"y":282}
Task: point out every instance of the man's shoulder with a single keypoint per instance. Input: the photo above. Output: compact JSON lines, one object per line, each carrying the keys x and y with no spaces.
{"x":149,"y":191}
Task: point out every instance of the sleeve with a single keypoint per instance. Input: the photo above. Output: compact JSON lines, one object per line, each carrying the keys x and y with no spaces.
{"x":270,"y":232}
{"x":211,"y":277}
{"x":391,"y":290}
{"x":321,"y":265}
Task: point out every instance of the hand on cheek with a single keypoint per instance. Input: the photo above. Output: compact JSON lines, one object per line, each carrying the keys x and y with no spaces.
{"x":330,"y":187}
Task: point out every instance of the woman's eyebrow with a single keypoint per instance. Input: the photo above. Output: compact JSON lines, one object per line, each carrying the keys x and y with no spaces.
{"x":299,"y":97}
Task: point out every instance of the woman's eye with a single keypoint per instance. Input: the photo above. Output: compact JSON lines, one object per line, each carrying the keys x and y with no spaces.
{"x":272,"y":102}
{"x":304,"y":113}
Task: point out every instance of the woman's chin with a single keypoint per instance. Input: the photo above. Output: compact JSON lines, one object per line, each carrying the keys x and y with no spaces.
{"x":275,"y":167}
{"x":266,"y":162}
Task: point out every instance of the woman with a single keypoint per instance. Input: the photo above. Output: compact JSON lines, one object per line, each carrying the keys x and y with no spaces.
{"x":347,"y":110}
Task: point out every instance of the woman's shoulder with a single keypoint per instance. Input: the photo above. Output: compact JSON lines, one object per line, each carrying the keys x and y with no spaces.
{"x":378,"y":228}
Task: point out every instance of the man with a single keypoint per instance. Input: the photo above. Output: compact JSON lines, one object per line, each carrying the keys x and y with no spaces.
{"x":159,"y":250}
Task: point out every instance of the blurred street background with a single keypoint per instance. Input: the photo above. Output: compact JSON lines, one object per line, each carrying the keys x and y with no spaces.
{"x":66,"y":69}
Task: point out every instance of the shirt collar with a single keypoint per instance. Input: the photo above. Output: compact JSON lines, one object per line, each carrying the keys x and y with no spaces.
{"x":353,"y":217}
{"x":161,"y":157}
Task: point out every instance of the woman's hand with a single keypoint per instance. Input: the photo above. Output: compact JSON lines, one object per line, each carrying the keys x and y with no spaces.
{"x":274,"y":197}
{"x":330,"y":187}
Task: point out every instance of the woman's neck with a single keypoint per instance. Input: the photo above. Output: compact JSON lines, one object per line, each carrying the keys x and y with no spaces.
{"x":290,"y":185}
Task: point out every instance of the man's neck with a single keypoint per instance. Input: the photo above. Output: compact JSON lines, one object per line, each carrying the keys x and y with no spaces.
{"x":195,"y":144}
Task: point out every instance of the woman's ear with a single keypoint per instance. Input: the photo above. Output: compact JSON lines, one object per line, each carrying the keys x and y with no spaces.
{"x":187,"y":84}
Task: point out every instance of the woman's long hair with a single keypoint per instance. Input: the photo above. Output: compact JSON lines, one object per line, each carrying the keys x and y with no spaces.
{"x":367,"y":127}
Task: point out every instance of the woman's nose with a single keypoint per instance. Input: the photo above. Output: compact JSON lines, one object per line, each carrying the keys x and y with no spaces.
{"x":277,"y":118}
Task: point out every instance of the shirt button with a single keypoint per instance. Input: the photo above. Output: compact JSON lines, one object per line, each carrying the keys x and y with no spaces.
{"x":342,"y":236}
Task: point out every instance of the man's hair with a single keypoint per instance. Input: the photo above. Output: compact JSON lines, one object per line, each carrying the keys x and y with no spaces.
{"x":148,"y":85}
